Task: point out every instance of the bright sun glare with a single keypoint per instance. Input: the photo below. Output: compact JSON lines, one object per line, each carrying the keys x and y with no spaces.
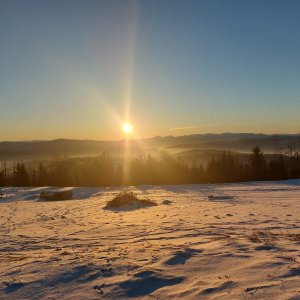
{"x":127,"y":128}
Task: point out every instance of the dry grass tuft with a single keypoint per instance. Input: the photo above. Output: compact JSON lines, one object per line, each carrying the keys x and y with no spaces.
{"x":295,"y":237}
{"x":128,"y":198}
{"x":254,"y":237}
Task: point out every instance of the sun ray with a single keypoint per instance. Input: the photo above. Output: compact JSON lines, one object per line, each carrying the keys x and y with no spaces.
{"x":128,"y":92}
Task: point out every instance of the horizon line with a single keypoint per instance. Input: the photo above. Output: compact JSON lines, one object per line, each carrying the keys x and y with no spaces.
{"x":147,"y":138}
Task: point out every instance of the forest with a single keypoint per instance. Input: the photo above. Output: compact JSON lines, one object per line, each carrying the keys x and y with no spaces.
{"x":102,"y":171}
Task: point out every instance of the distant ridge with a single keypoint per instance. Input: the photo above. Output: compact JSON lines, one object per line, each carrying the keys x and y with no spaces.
{"x":222,"y":141}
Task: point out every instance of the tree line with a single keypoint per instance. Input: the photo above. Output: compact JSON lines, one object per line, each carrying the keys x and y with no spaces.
{"x":103,"y":171}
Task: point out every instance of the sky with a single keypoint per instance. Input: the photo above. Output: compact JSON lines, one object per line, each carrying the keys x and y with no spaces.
{"x":79,"y":69}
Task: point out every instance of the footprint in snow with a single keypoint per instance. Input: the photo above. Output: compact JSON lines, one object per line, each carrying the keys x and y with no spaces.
{"x":99,"y":288}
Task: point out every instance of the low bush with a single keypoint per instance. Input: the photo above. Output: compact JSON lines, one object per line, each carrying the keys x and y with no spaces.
{"x":128,"y":198}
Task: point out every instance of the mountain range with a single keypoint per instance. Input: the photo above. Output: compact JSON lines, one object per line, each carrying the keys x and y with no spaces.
{"x":238,"y":142}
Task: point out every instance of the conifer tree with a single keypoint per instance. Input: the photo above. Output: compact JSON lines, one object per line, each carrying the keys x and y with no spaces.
{"x":257,"y":165}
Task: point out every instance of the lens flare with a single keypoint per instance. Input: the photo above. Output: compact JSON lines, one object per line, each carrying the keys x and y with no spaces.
{"x":127,"y":128}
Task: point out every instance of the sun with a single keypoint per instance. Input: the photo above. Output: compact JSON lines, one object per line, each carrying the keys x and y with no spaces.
{"x":127,"y":128}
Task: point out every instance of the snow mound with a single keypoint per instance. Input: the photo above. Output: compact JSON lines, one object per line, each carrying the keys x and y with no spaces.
{"x":56,"y":195}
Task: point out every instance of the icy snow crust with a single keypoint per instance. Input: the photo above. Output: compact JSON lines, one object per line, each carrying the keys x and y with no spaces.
{"x":226,"y":241}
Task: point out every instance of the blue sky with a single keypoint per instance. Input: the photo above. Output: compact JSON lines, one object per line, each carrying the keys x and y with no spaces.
{"x":78,"y":69}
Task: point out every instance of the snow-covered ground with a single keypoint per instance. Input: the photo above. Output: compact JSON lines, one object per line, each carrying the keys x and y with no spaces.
{"x":226,"y":241}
